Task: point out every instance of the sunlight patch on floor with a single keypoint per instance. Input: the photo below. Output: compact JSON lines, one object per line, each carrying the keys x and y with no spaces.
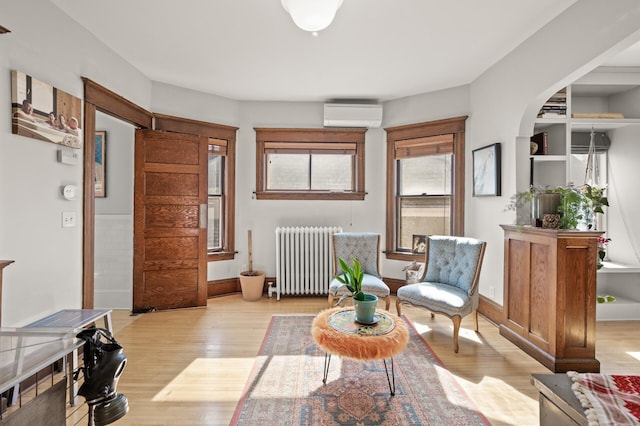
{"x":290,"y":384}
{"x":526,"y":406}
{"x":421,"y":328}
{"x":208,"y":379}
{"x":636,"y":355}
{"x":469,"y":334}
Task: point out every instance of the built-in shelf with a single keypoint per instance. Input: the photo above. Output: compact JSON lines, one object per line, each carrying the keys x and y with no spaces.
{"x":602,"y":124}
{"x":622,"y":282}
{"x":618,"y":268}
{"x":549,"y":121}
{"x":592,"y":98}
{"x":541,"y":158}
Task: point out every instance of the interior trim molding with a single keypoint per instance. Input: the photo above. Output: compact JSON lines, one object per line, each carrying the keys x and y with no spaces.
{"x":490,"y":310}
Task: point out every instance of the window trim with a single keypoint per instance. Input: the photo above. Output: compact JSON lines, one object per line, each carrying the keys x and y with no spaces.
{"x":398,"y":136}
{"x":213,"y":131}
{"x":266,"y":137}
{"x":219,"y":147}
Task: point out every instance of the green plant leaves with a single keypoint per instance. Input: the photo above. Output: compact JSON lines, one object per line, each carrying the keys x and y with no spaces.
{"x":352,"y":277}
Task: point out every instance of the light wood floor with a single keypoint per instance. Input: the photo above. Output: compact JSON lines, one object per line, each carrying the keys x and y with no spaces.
{"x":189,"y":367}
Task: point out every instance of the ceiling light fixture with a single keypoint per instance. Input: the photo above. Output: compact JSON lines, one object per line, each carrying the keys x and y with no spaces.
{"x":312,"y":15}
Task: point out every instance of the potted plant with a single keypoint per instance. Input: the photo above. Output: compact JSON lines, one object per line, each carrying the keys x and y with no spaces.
{"x":543,"y":200}
{"x":577,"y":206}
{"x":364,"y":303}
{"x":251,"y":282}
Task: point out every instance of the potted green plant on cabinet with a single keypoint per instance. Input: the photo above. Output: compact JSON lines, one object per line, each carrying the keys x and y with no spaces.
{"x":575,"y":205}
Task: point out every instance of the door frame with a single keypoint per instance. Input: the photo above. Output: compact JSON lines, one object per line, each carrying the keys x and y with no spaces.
{"x":99,"y":98}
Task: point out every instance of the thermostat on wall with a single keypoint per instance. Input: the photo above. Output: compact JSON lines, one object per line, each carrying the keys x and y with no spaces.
{"x":68,"y":156}
{"x":69,"y":192}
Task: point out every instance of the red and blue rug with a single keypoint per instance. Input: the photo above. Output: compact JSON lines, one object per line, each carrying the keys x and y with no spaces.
{"x":285,"y":386}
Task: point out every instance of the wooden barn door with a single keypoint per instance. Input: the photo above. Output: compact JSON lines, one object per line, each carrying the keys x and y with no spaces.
{"x":170,"y":222}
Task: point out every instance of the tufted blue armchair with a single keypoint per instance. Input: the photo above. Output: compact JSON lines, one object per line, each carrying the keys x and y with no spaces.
{"x":450,"y":282}
{"x":365,"y":247}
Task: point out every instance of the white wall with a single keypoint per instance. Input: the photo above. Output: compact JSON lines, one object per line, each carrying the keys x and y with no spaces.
{"x":432,"y":106}
{"x":47,"y":273}
{"x":113,"y":260}
{"x":263,"y":216}
{"x":624,"y":229}
{"x":501,"y":105}
{"x":504,"y":102}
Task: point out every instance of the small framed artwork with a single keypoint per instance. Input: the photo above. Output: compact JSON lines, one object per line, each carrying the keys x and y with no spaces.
{"x":486,"y":171}
{"x":100,"y":177}
{"x":419,"y":245}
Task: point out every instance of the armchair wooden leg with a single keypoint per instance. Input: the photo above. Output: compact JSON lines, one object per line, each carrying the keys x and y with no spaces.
{"x":456,"y":328}
{"x":475,"y":320}
{"x":398,"y":307}
{"x":387,"y":302}
{"x":330,"y":299}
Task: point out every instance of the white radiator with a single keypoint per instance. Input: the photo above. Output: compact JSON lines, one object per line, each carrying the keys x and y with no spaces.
{"x":304,"y":260}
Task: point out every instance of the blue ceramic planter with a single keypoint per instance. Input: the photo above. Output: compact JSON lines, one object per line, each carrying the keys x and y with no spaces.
{"x":365,"y":309}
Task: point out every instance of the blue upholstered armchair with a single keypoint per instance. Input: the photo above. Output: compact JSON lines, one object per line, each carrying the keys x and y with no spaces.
{"x":365,"y":247}
{"x":450,"y":282}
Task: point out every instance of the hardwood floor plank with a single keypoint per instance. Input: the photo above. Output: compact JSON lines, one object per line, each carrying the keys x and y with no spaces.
{"x":189,"y":367}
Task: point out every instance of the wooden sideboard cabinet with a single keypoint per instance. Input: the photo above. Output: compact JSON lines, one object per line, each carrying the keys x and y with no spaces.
{"x":550,"y":296}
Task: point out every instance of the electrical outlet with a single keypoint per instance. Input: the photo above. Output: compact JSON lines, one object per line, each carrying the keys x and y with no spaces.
{"x":492,"y":292}
{"x":68,"y":219}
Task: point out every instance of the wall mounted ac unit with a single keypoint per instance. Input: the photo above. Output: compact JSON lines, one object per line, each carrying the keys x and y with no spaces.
{"x":352,"y":115}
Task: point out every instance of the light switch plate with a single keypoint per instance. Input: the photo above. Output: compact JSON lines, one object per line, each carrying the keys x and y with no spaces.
{"x":68,"y":219}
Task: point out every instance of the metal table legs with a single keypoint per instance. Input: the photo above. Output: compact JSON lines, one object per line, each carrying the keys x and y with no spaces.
{"x":391,"y":379}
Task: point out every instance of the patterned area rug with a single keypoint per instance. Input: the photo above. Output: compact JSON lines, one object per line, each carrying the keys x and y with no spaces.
{"x":285,"y":387}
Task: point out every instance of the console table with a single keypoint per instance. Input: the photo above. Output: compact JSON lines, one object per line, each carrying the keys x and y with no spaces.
{"x":550,"y":296}
{"x":25,"y":352}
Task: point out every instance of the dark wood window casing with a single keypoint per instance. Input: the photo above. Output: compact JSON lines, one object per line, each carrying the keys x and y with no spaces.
{"x":417,"y":140}
{"x":339,"y":140}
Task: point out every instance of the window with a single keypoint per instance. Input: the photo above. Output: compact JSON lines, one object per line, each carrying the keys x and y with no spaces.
{"x":424,"y":197}
{"x":221,"y":202}
{"x":215,"y":225}
{"x":310,"y":164}
{"x":425,"y":184}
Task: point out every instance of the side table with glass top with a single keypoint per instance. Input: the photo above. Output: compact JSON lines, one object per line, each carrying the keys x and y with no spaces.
{"x":338,"y":333}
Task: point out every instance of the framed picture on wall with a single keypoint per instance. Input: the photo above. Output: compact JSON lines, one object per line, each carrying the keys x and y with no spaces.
{"x":100,"y":178}
{"x":486,"y":171}
{"x":41,"y":111}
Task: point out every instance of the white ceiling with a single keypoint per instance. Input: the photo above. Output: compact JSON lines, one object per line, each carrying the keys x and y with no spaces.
{"x":374,"y":49}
